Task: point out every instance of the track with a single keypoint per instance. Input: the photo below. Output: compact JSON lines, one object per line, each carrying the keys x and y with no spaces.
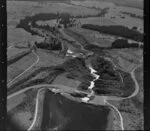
{"x":61,"y":88}
{"x":119,"y":98}
{"x":36,"y":108}
{"x":24,"y":71}
{"x":10,"y":47}
{"x":56,"y":86}
{"x":121,"y":119}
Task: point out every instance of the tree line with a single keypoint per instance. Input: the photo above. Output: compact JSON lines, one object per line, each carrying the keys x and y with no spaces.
{"x":123,"y":43}
{"x":116,"y":30}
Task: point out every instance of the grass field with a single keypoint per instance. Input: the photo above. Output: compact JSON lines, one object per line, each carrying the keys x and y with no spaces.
{"x":15,"y":51}
{"x":127,"y":59}
{"x":55,"y":67}
{"x":19,"y":37}
{"x":110,"y":3}
{"x":19,"y":66}
{"x":138,"y":100}
{"x":49,"y":58}
{"x":62,"y":80}
{"x":94,"y":37}
{"x":22,"y":113}
{"x":97,"y":21}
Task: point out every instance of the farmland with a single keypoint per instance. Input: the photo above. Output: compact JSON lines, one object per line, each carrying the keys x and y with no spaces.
{"x":67,"y":58}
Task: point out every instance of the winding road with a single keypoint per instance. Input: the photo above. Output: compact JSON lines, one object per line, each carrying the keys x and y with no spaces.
{"x":61,"y":88}
{"x":56,"y":86}
{"x":106,"y":98}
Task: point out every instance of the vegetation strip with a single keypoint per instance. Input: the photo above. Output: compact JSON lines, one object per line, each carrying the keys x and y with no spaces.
{"x":117,"y":31}
{"x":24,"y":71}
{"x":18,"y":57}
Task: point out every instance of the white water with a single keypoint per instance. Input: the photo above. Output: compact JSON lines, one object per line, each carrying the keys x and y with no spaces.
{"x":93,"y":72}
{"x":85,"y":99}
{"x":95,"y":75}
{"x":70,"y":53}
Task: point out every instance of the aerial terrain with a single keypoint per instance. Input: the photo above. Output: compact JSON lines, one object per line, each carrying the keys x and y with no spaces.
{"x":75,"y":65}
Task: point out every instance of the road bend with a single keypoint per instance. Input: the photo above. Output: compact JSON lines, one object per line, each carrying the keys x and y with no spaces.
{"x":136,"y":91}
{"x":66,"y":89}
{"x":120,"y":116}
{"x":36,"y":110}
{"x":56,"y":88}
{"x":117,"y":98}
{"x":37,"y":105}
